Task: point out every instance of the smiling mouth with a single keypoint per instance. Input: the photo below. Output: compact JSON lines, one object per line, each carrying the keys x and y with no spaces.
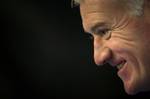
{"x":120,"y":66}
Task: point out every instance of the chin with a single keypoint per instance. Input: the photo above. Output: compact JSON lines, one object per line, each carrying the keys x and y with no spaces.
{"x":132,"y":86}
{"x":135,"y":86}
{"x":130,"y":90}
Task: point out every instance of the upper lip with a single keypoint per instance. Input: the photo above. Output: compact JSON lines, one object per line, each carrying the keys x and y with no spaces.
{"x":115,"y":63}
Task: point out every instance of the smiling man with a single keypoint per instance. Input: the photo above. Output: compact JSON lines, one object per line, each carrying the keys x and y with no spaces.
{"x":121,"y":31}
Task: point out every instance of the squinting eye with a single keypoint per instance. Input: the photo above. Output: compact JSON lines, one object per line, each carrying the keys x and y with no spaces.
{"x":104,"y":33}
{"x":101,"y":32}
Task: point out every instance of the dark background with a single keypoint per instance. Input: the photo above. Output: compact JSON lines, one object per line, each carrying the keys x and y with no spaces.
{"x":46,"y":54}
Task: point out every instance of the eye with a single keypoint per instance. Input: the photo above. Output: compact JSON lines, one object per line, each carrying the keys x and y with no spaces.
{"x":101,"y":32}
{"x":105,"y":33}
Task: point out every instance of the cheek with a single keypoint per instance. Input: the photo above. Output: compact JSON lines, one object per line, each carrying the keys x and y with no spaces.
{"x":144,"y":59}
{"x":124,"y":49}
{"x":118,"y":46}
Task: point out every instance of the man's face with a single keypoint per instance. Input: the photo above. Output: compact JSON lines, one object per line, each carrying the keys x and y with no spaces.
{"x":121,"y":40}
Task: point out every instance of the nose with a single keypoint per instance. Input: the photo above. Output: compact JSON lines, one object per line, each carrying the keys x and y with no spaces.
{"x":102,"y":53}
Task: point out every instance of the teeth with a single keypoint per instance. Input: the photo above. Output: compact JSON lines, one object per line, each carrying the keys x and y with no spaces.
{"x":120,"y":65}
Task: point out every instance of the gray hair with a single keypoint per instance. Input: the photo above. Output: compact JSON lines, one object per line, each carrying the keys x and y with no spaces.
{"x":135,"y":7}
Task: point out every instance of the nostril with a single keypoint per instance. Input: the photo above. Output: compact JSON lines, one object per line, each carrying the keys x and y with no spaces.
{"x":99,"y":62}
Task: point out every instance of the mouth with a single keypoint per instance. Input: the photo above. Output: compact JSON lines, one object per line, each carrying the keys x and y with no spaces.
{"x":123,"y":71}
{"x":121,"y":65}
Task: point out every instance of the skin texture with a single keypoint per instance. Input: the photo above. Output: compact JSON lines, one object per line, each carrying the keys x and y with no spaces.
{"x":120,"y":37}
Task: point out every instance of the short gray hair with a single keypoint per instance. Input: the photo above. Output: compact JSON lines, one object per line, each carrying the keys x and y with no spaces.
{"x":135,"y":7}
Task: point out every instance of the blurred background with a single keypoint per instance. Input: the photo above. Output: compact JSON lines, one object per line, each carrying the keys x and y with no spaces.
{"x":46,"y":54}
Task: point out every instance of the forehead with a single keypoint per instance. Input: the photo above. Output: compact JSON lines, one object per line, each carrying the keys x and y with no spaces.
{"x":107,"y":6}
{"x":100,"y":3}
{"x":98,"y":10}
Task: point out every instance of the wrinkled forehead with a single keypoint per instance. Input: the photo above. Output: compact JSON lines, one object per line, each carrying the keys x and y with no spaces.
{"x":94,"y":11}
{"x":91,"y":1}
{"x":107,"y":6}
